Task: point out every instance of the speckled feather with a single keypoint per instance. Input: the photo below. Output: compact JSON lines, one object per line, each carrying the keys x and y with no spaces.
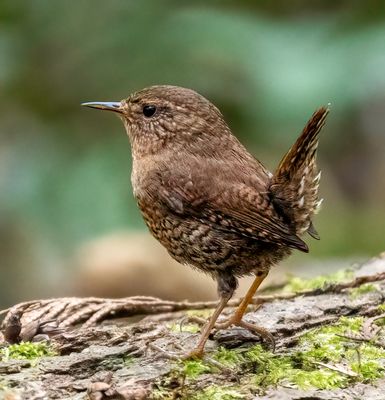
{"x":295,"y":183}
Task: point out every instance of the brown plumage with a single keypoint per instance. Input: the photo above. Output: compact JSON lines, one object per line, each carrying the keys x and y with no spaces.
{"x":294,"y":186}
{"x":207,"y":199}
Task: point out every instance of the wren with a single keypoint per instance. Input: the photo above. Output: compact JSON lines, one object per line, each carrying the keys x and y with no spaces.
{"x":210,"y":203}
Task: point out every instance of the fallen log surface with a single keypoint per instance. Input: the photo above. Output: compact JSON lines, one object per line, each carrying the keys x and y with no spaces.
{"x":130,"y":348}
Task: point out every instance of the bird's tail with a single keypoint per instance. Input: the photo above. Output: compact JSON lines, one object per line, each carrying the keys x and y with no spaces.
{"x":294,"y":185}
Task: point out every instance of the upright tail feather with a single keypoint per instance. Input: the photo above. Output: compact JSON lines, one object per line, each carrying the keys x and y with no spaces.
{"x":294,"y":185}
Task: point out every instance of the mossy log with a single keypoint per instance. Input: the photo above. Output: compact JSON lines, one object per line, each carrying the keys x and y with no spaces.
{"x":330,"y":344}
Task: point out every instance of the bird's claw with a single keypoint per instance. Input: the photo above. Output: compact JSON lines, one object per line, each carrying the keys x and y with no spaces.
{"x":196,"y":353}
{"x":231,"y":321}
{"x":255,"y":329}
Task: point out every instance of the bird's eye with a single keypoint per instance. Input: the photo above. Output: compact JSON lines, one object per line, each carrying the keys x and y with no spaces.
{"x":149,"y":110}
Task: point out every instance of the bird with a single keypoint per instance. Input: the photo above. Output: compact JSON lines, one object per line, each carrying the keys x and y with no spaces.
{"x":209,"y":201}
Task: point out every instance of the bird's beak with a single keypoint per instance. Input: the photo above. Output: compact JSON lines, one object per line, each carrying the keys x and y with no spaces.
{"x":108,"y":105}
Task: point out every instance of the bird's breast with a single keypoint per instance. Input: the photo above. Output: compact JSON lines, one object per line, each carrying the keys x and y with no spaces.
{"x":143,"y":174}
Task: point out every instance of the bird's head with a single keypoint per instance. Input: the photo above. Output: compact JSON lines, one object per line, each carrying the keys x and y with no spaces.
{"x":159,"y":116}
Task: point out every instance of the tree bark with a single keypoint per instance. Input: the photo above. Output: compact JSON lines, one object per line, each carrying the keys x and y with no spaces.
{"x":135,"y":356}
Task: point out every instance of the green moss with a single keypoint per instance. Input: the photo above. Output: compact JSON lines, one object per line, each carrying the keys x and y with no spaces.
{"x":324,"y":358}
{"x":363,"y":289}
{"x":229,"y":358}
{"x":27,"y":351}
{"x":128,"y":361}
{"x":273,"y":371}
{"x":381,"y":308}
{"x":368,"y":361}
{"x":324,"y":344}
{"x":381,"y":321}
{"x":268,"y":368}
{"x":191,"y":328}
{"x":172,"y":385}
{"x":346,"y":324}
{"x":320,"y":378}
{"x":194,"y":368}
{"x":218,"y":393}
{"x":354,"y":362}
{"x":296,"y":284}
{"x":321,"y":345}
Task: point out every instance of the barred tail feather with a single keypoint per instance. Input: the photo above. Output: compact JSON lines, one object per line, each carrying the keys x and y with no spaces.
{"x":294,"y":185}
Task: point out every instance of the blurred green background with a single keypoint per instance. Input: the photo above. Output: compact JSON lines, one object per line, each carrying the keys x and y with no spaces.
{"x":65,"y":170}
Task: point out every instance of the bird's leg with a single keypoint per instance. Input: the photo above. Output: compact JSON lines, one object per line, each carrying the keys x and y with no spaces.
{"x":226,"y":287}
{"x":238,"y":314}
{"x":199,"y":349}
{"x":236,"y":318}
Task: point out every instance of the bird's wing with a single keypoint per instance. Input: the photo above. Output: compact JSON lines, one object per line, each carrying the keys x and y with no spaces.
{"x":229,"y":200}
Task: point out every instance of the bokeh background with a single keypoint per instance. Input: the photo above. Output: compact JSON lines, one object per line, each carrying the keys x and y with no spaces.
{"x":68,"y":221}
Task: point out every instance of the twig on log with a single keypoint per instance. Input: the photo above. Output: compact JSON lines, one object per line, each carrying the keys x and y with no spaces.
{"x":70,"y":311}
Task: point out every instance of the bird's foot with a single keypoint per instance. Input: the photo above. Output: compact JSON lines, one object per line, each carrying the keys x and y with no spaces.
{"x":194,"y":354}
{"x":197,"y":353}
{"x":233,"y":320}
{"x":165,"y":354}
{"x":255,"y":329}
